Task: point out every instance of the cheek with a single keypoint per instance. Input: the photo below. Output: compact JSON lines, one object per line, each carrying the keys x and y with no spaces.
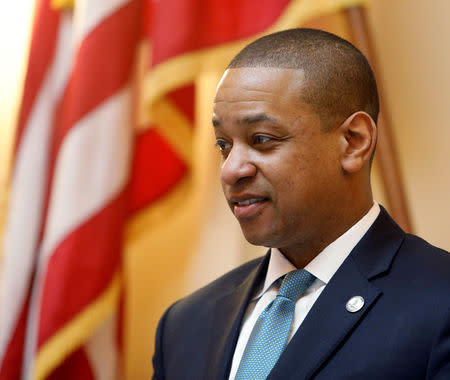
{"x":301,"y":169}
{"x":303,"y":182}
{"x":293,"y":184}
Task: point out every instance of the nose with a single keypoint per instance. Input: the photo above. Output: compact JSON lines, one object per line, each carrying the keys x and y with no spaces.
{"x":237,"y":166}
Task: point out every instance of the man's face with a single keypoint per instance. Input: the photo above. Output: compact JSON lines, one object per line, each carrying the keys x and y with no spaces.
{"x":280,"y":172}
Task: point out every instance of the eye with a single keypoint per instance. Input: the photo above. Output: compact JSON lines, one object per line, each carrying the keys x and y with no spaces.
{"x":261,"y":139}
{"x":223,"y":145}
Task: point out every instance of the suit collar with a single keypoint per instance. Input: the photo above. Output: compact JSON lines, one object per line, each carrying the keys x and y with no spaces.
{"x":373,"y":255}
{"x":327,"y":262}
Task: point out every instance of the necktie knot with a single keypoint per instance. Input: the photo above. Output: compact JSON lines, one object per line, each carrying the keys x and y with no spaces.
{"x":295,"y":284}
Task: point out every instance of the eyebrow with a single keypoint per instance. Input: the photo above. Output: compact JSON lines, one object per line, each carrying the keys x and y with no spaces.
{"x":253,"y":119}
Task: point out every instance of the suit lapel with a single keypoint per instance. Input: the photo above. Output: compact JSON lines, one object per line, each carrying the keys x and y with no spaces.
{"x":228,"y":312}
{"x":328,"y":323}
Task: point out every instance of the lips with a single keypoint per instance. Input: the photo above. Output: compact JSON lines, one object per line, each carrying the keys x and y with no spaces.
{"x":248,"y":206}
{"x":249,"y":201}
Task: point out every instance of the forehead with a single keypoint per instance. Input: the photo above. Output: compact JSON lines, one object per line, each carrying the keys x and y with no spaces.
{"x":250,"y":91}
{"x":259,"y":82}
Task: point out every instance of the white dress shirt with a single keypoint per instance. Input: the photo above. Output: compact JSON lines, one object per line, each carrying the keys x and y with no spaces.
{"x":323,"y":267}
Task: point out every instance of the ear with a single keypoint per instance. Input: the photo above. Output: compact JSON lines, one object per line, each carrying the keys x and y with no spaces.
{"x":358,"y":136}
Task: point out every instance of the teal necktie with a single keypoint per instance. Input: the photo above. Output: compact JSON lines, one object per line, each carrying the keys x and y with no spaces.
{"x":269,"y":336}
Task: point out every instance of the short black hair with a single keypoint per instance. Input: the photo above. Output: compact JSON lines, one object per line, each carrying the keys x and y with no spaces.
{"x":338,"y":78}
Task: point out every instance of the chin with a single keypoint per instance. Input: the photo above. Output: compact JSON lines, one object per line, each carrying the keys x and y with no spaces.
{"x":260,"y":239}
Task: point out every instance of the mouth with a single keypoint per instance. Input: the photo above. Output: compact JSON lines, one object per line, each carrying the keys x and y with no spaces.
{"x":248,"y":206}
{"x":249,"y":201}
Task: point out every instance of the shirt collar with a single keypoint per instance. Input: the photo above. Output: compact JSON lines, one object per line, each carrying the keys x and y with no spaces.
{"x":327,"y":262}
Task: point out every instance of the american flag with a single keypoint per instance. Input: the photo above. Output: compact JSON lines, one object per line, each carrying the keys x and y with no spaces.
{"x":61,"y":270}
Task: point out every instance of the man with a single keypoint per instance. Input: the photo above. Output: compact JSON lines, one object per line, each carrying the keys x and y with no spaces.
{"x":343,"y":293}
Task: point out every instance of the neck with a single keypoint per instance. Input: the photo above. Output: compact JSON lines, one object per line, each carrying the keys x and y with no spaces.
{"x":331,"y":229}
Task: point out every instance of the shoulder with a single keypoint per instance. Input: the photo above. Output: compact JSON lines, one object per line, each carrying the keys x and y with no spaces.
{"x":198,"y":307}
{"x":419,"y":278}
{"x":194,"y":320}
{"x":424,"y":259}
{"x":190,"y":319}
{"x":217,"y":289}
{"x":422,"y":298}
{"x":413,"y":258}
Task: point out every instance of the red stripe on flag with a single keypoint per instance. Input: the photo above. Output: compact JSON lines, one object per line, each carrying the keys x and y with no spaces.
{"x":184,"y":99}
{"x":197,"y":24}
{"x":156,"y":169}
{"x":42,"y":49}
{"x":81,"y":267}
{"x":75,"y":367}
{"x":12,"y":360}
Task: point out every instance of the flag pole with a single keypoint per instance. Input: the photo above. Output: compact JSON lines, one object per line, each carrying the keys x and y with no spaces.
{"x":386,"y":156}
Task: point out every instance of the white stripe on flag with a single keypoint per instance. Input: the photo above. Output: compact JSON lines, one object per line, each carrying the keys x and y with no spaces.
{"x":28,"y":190}
{"x":92,"y":168}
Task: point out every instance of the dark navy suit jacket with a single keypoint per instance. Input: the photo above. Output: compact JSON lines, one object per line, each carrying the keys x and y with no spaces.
{"x":402,"y":331}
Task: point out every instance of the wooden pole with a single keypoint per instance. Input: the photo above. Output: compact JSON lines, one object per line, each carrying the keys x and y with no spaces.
{"x":386,"y":155}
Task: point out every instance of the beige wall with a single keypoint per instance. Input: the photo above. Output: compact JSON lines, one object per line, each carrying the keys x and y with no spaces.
{"x":412,"y":39}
